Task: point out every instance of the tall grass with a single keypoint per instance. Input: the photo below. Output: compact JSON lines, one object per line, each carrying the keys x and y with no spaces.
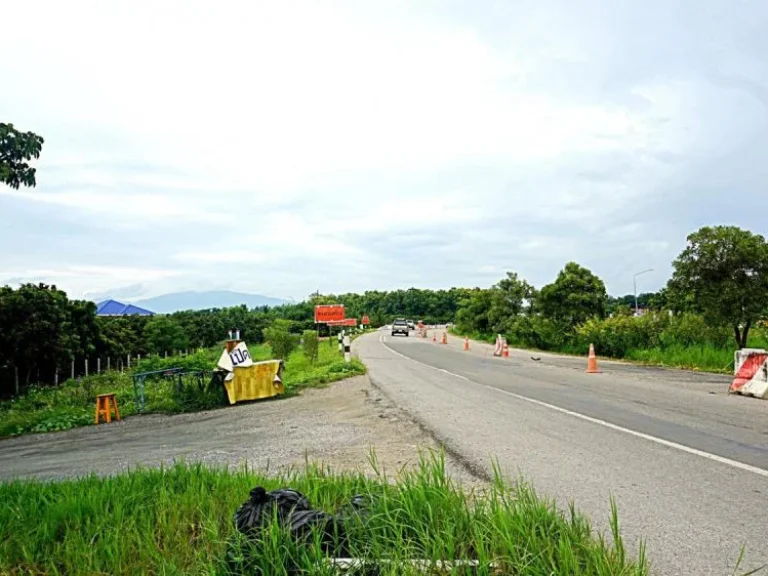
{"x":683,"y":341}
{"x":46,"y":409}
{"x":704,"y":357}
{"x":179,"y":521}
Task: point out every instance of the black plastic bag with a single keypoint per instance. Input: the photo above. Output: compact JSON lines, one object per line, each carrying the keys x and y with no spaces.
{"x":295,"y":514}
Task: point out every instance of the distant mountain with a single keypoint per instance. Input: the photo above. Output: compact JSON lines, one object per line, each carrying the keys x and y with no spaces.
{"x":176,"y":301}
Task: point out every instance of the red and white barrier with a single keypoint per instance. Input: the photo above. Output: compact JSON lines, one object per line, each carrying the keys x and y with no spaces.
{"x":750,"y":373}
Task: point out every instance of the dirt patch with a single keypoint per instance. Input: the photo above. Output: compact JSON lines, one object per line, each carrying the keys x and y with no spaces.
{"x":337,"y":426}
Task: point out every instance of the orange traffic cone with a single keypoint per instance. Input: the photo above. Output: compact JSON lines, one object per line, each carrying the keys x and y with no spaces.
{"x":466,"y":344}
{"x":592,"y":361}
{"x":505,"y":349}
{"x":434,"y":338}
{"x":445,"y":338}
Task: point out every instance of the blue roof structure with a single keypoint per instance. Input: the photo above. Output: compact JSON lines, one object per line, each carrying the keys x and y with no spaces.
{"x":115,"y":308}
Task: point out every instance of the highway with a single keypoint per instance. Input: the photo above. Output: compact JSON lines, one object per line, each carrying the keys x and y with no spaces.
{"x":686,"y":462}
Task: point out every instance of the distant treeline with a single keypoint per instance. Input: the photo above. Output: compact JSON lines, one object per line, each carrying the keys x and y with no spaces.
{"x":42,"y":331}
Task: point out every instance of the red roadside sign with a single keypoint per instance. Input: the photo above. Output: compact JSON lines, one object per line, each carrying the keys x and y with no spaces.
{"x":327,"y":313}
{"x":345,"y":322}
{"x":366,"y":320}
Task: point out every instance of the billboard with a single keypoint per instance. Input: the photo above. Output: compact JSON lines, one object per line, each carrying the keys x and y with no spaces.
{"x":325,"y":313}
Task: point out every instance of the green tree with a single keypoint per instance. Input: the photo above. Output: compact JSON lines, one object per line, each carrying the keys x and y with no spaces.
{"x":508,"y":301}
{"x":473,"y":315}
{"x":574,"y":297}
{"x":41,"y":329}
{"x":16,"y":150}
{"x":723,"y":274}
{"x":164,"y":334}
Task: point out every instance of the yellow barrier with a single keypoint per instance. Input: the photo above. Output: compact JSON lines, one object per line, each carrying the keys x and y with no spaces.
{"x":255,"y":382}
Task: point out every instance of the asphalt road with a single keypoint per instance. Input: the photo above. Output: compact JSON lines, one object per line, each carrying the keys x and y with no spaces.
{"x":686,"y":462}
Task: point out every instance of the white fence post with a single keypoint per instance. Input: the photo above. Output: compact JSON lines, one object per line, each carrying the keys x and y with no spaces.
{"x":98,"y":364}
{"x":86,"y":367}
{"x":347,"y":352}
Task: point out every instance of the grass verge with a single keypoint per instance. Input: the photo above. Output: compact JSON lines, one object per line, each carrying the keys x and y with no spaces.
{"x":704,"y":357}
{"x":47,"y":409}
{"x":179,"y":521}
{"x":698,"y":357}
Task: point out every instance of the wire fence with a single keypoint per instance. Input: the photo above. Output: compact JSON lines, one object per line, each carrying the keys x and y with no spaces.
{"x":13,"y":380}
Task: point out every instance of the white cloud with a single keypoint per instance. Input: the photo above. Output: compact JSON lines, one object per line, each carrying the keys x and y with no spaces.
{"x":345,"y":138}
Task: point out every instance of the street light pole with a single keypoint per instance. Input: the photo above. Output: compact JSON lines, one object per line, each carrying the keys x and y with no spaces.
{"x":634,"y":283}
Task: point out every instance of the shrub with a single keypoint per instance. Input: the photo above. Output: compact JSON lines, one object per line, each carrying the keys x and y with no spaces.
{"x":280,"y":339}
{"x":618,"y":335}
{"x":310,"y":345}
{"x":691,"y":329}
{"x":538,"y":332}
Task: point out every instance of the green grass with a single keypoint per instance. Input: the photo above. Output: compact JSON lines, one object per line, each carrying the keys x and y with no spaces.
{"x":179,"y":521}
{"x":703,"y":357}
{"x":47,"y":409}
{"x":329,"y":367}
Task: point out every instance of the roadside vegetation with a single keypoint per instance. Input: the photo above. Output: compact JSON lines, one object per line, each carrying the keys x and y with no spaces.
{"x":715,"y":303}
{"x":179,"y":521}
{"x":70,"y":405}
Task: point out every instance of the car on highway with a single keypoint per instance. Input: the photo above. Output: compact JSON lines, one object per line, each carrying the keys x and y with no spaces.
{"x":411,"y":325}
{"x":400,"y":326}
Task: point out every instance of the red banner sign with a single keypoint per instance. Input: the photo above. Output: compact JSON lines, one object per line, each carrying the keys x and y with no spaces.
{"x":345,"y":322}
{"x":328,"y":313}
{"x":366,"y":320}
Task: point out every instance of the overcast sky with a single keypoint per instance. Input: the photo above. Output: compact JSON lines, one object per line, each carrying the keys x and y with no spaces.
{"x":282,"y":147}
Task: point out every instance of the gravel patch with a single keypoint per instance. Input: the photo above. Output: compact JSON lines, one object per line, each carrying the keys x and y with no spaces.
{"x":336,"y":426}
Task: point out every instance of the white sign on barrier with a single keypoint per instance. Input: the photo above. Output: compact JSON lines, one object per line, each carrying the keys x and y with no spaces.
{"x":239,"y":357}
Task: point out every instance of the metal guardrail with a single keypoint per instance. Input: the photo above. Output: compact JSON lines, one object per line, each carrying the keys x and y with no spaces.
{"x":140,"y":378}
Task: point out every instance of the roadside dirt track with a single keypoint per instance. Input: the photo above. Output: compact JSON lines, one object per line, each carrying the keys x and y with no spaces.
{"x":337,"y":426}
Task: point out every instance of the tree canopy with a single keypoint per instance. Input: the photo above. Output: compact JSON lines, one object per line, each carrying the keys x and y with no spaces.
{"x":723,"y":274}
{"x":16,"y":150}
{"x":509,"y":298}
{"x":574,"y":297}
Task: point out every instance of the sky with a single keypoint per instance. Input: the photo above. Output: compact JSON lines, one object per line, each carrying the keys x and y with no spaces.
{"x":286,"y":147}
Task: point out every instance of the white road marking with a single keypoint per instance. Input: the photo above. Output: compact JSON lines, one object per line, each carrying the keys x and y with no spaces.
{"x":422,"y":363}
{"x":657,"y":440}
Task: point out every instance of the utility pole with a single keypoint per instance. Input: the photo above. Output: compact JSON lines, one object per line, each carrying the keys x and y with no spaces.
{"x":634,"y":283}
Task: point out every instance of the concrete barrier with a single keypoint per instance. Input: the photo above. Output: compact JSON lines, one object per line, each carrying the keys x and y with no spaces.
{"x":499,"y":346}
{"x":750,"y":368}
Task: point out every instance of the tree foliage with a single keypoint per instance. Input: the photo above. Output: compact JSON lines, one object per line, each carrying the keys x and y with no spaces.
{"x":164,"y":334}
{"x":42,"y":330}
{"x":509,"y":298}
{"x":723,"y":274}
{"x":574,"y":297}
{"x":16,"y":150}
